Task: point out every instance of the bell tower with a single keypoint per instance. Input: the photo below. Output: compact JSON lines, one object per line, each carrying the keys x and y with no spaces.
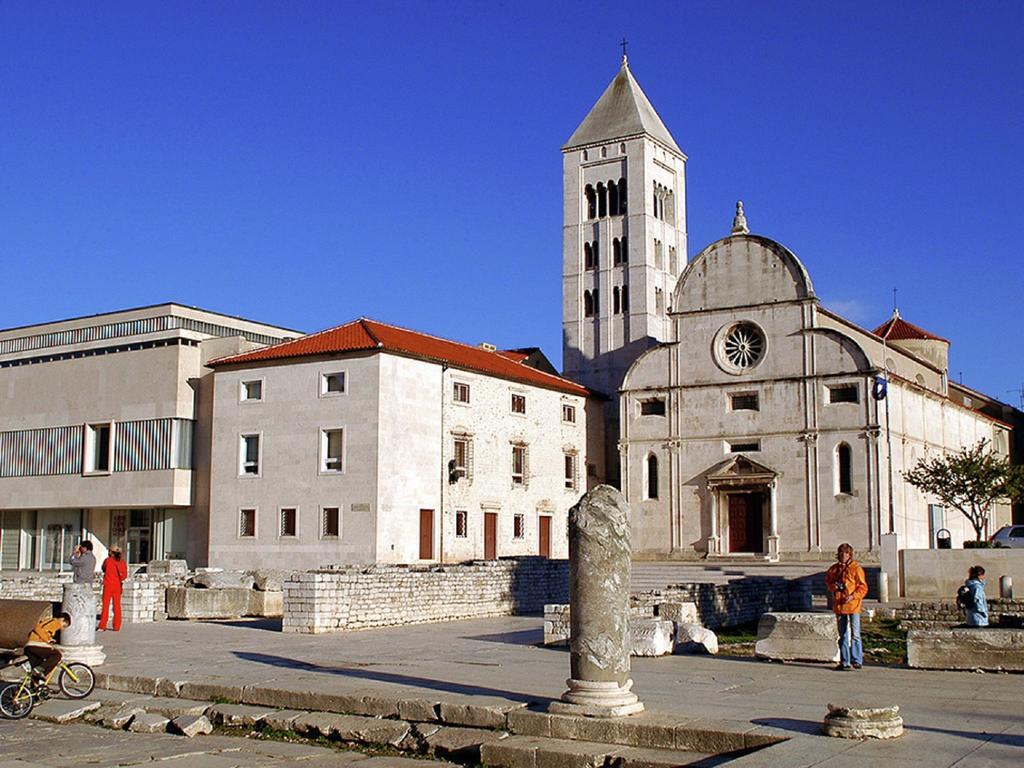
{"x":623,"y":241}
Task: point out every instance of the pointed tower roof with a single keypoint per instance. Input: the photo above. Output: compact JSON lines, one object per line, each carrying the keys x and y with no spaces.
{"x":623,"y":110}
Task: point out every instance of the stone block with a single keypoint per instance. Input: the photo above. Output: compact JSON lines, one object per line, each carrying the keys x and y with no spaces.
{"x":165,"y":567}
{"x":216,"y":603}
{"x":223,"y":579}
{"x":650,"y":637}
{"x":171,"y":708}
{"x":477,"y":715}
{"x":693,"y":638}
{"x":963,"y":648}
{"x":269,"y":605}
{"x":237,"y":715}
{"x":797,"y":636}
{"x":282,"y":719}
{"x":269,"y":580}
{"x":191,"y":725}
{"x":680,"y":613}
{"x":63,"y":711}
{"x":422,"y":710}
{"x":460,"y":744}
{"x":126,"y":683}
{"x":364,"y":730}
{"x":149,"y":722}
{"x":209,"y":690}
{"x":120,"y":718}
{"x":863,"y":722}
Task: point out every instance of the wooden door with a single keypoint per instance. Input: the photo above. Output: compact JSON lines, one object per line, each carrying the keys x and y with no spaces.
{"x":746,"y":526}
{"x":490,"y":536}
{"x":545,"y":536}
{"x":426,"y":534}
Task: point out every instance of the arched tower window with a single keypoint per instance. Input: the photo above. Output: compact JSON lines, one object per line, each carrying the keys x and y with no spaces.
{"x":613,"y":199}
{"x":844,"y":469}
{"x":670,"y":207}
{"x":591,"y":202}
{"x":588,"y":304}
{"x":588,"y":256}
{"x":602,"y":201}
{"x":625,"y":299}
{"x":659,"y":301}
{"x":655,"y":200}
{"x":652,"y":477}
{"x":616,"y":251}
{"x":615,"y":300}
{"x":622,"y":195}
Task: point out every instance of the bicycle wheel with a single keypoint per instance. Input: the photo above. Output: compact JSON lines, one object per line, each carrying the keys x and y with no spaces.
{"x":77,"y":680}
{"x":12,"y":704}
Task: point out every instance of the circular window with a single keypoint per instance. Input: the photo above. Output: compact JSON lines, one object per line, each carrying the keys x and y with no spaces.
{"x":740,"y":347}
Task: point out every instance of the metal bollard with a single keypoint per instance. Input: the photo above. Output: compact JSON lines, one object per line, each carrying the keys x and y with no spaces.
{"x":1006,"y":587}
{"x":883,"y":587}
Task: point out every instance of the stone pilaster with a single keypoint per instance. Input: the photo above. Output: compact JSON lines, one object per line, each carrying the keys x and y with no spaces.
{"x":599,"y":568}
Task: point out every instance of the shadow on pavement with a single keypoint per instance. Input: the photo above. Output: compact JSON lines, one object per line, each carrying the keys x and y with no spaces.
{"x":268,"y":625}
{"x":534,"y":636}
{"x":1005,"y":739}
{"x":809,"y":727}
{"x":390,"y":677}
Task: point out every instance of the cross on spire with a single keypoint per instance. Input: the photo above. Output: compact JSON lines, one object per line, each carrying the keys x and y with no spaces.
{"x":624,"y":43}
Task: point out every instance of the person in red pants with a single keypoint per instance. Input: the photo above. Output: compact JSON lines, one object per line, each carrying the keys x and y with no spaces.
{"x":115,"y":571}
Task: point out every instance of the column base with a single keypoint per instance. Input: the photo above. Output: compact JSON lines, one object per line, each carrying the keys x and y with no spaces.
{"x":92,"y":655}
{"x":773,"y":549}
{"x":588,"y":698}
{"x":714,"y":546}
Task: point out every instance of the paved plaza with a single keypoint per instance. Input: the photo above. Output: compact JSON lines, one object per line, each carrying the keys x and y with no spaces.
{"x":962,"y":719}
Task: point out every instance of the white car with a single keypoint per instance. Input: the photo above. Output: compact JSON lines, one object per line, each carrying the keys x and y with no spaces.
{"x":1009,"y":536}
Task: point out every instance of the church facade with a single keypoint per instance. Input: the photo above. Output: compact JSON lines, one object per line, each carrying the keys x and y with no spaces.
{"x":750,"y":419}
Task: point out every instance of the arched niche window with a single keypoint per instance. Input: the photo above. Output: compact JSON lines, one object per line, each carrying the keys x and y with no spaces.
{"x":588,"y":304}
{"x":659,"y":301}
{"x":655,"y":201}
{"x":622,"y":195}
{"x":613,"y":198}
{"x":615,"y":300}
{"x":670,"y":207}
{"x":625,"y":299}
{"x":591,"y":202}
{"x":588,"y":256}
{"x":616,"y":251}
{"x":602,"y":201}
{"x":844,"y":469}
{"x":651,"y":485}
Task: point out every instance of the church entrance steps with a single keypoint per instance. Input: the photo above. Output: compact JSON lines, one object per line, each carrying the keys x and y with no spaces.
{"x":468,"y":730}
{"x":658,"y":575}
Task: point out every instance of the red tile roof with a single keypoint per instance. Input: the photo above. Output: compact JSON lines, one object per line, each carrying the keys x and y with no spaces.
{"x":364,"y":334}
{"x":898,"y":329}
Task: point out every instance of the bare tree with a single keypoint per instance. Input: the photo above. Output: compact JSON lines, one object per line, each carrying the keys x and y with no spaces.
{"x":971,"y":481}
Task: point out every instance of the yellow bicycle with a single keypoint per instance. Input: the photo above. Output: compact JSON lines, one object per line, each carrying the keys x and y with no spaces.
{"x":75,"y":680}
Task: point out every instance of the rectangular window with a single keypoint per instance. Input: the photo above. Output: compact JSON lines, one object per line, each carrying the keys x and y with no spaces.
{"x":247,"y":523}
{"x":460,"y":393}
{"x":519,"y":465}
{"x":569,"y":414}
{"x":252,"y":391}
{"x":330,"y":522}
{"x":652,"y":407}
{"x":289,"y":522}
{"x":752,"y":445}
{"x":332,"y":449}
{"x":519,"y":526}
{"x":97,"y":448}
{"x":461,"y":524}
{"x":249,"y":460}
{"x":570,"y":471}
{"x":518,"y":403}
{"x":332,"y":383}
{"x":843,"y":393}
{"x":460,"y":467}
{"x":744,"y":402}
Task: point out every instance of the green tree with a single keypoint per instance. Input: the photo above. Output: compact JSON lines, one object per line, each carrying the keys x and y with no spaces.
{"x":971,"y":481}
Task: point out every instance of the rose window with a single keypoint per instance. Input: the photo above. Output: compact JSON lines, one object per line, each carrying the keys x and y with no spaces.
{"x":743,"y":346}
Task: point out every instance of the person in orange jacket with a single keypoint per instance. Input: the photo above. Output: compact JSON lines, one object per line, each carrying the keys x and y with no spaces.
{"x":115,"y":571}
{"x":846,"y":583}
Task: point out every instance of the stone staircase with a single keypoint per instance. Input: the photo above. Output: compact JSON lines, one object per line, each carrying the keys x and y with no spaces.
{"x":650,"y":575}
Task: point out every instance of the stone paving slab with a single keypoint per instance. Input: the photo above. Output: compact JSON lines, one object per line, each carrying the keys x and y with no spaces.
{"x":238,"y":715}
{"x":62,"y":710}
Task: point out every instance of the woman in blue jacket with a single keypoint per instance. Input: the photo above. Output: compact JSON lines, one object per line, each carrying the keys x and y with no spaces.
{"x":974,"y":601}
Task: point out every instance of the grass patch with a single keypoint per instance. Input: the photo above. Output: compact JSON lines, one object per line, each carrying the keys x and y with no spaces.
{"x":884,"y":641}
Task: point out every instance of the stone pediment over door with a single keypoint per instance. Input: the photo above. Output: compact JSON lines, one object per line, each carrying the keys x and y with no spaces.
{"x":740,"y":470}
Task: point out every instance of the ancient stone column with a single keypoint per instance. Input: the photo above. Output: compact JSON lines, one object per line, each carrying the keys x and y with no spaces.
{"x":599,"y":568}
{"x":78,"y":642}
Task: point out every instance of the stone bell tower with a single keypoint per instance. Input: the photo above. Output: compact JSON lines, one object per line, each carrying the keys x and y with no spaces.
{"x":623,"y":241}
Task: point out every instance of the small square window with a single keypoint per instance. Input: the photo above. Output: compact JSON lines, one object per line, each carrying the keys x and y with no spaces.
{"x":247,"y":523}
{"x":460,"y":392}
{"x":569,"y":414}
{"x":249,"y":460}
{"x":330,"y":523}
{"x":252,"y":391}
{"x":289,"y":522}
{"x":332,"y":384}
{"x":332,"y":449}
{"x":461,"y":524}
{"x":652,"y":407}
{"x":843,"y":393}
{"x":746,"y":401}
{"x":519,"y":404}
{"x":519,"y":526}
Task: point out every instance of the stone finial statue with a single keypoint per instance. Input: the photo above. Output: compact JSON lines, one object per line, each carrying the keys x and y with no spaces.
{"x":739,"y":222}
{"x":599,"y":644}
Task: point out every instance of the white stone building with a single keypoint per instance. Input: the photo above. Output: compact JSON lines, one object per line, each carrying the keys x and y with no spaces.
{"x":369,"y":443}
{"x":103,"y":433}
{"x":758,"y":429}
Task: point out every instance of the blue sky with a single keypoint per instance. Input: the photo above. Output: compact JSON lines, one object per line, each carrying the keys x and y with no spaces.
{"x":305,"y":163}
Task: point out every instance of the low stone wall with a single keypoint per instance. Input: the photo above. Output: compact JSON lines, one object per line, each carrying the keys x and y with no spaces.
{"x":740,"y":601}
{"x":29,"y":585}
{"x":994,"y":649}
{"x":332,"y":600}
{"x":939,"y":613}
